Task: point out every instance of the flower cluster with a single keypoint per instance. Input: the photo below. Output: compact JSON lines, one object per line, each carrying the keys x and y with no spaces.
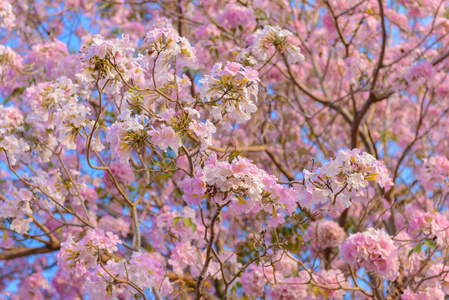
{"x":373,"y":250}
{"x":166,"y":45}
{"x":110,"y":64}
{"x":276,"y":37}
{"x":325,"y":234}
{"x":333,"y":280}
{"x":56,"y":106}
{"x":347,"y":173}
{"x":428,"y":293}
{"x":123,"y":174}
{"x":410,"y":261}
{"x":117,"y":225}
{"x":187,"y":256}
{"x":255,"y":278}
{"x":248,"y":188}
{"x":232,"y":89}
{"x":165,"y":137}
{"x":432,"y":226}
{"x":434,"y":170}
{"x":85,"y":253}
{"x":126,"y":134}
{"x":7,"y":17}
{"x":235,"y":15}
{"x":144,"y":270}
{"x":16,"y":208}
{"x":203,"y":131}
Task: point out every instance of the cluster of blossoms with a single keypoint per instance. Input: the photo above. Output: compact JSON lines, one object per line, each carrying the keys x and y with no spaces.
{"x":166,"y":45}
{"x":11,"y":121}
{"x":410,"y":260}
{"x":269,"y":37}
{"x":56,"y":115}
{"x":336,"y":180}
{"x":232,"y":89}
{"x":125,"y":134}
{"x":429,"y":293}
{"x":434,"y":170}
{"x":122,"y":173}
{"x":49,"y":188}
{"x":291,"y":284}
{"x":16,"y":208}
{"x":248,"y":188}
{"x":11,"y":63}
{"x":143,"y":270}
{"x":334,"y":280}
{"x":255,"y":279}
{"x":165,"y":137}
{"x":216,"y":227}
{"x":185,"y":256}
{"x":7,"y":17}
{"x":431,"y":226}
{"x":55,"y":105}
{"x":234,"y":15}
{"x":373,"y":250}
{"x":185,"y":225}
{"x":85,"y":253}
{"x":325,"y":234}
{"x":130,"y":132}
{"x":104,"y":59}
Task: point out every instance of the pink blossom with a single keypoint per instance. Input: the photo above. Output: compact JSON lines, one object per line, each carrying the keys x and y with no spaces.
{"x":325,"y":234}
{"x":431,"y":225}
{"x":7,"y":17}
{"x":332,"y":279}
{"x":123,"y":174}
{"x":373,"y":250}
{"x":165,"y":137}
{"x":296,"y":289}
{"x":426,"y":294}
{"x":253,"y":280}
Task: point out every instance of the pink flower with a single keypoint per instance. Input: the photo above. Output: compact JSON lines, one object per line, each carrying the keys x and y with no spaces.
{"x":123,"y":174}
{"x":254,"y":280}
{"x":425,"y":294}
{"x":342,"y":177}
{"x":373,"y":250}
{"x":236,"y":88}
{"x":117,"y":225}
{"x":123,"y":135}
{"x":7,"y":17}
{"x":249,"y":188}
{"x":165,"y":137}
{"x":234,"y":15}
{"x":334,"y":280}
{"x":296,"y":289}
{"x":419,"y":73}
{"x":433,"y":171}
{"x":203,"y":131}
{"x":431,"y":225}
{"x":325,"y":234}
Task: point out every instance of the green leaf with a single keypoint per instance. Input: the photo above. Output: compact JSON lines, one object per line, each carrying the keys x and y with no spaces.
{"x":194,"y":227}
{"x":188,"y":222}
{"x":417,"y":248}
{"x":176,"y":221}
{"x":431,"y":244}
